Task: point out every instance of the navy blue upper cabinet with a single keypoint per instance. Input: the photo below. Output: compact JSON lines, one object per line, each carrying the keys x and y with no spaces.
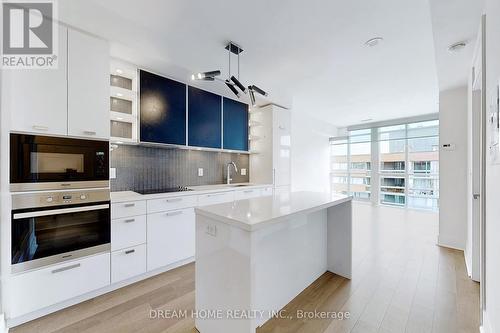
{"x":235,"y":125}
{"x":204,"y":118}
{"x":162,"y":110}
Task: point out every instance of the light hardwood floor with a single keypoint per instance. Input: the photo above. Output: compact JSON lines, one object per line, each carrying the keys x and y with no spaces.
{"x":402,"y":282}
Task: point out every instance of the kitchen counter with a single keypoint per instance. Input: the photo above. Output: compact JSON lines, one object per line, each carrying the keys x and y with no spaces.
{"x":125,"y":196}
{"x":255,"y":255}
{"x":256,"y":213}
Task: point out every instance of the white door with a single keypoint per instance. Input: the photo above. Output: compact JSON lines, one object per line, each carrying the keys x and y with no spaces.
{"x":171,"y":237}
{"x":281,"y":146}
{"x":88,"y":86}
{"x":475,"y":156}
{"x":37,"y":99}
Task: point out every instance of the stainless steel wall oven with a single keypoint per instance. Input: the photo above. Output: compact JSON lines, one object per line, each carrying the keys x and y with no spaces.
{"x":51,"y":227}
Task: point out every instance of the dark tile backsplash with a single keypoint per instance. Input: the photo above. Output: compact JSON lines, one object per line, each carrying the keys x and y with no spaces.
{"x":145,"y":168}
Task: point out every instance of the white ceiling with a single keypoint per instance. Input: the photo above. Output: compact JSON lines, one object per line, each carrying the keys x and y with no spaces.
{"x":306,"y":54}
{"x":454,"y":21}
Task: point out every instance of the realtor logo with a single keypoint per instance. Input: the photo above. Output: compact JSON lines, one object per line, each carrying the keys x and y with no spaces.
{"x":29,"y":35}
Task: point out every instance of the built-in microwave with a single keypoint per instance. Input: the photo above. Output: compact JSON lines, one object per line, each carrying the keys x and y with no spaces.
{"x":52,"y":163}
{"x":52,"y":227}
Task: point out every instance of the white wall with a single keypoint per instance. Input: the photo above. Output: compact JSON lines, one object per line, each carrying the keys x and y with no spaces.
{"x":492,"y":310}
{"x":310,"y":153}
{"x":453,"y":168}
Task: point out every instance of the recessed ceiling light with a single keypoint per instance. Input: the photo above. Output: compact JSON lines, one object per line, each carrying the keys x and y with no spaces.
{"x":457,"y":47}
{"x":119,"y":71}
{"x":373,"y":41}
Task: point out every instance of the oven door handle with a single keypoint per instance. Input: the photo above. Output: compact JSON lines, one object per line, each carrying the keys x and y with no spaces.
{"x":59,"y":211}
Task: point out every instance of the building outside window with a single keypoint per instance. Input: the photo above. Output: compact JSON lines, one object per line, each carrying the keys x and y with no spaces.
{"x":351,"y":164}
{"x":392,"y":157}
{"x":423,"y":158}
{"x":395,"y":165}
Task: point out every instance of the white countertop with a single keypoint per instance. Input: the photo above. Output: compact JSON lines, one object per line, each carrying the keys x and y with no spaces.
{"x":255,"y":213}
{"x":124,"y":196}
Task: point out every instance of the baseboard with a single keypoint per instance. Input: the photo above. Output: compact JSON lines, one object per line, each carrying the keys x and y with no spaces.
{"x":486,"y":327}
{"x":12,"y":322}
{"x":450,"y":243}
{"x":469,"y":270}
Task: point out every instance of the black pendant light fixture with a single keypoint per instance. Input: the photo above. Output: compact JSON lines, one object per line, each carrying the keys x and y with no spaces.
{"x":232,"y":82}
{"x":206,"y":76}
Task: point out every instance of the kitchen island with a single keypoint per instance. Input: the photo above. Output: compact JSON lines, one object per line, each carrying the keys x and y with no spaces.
{"x":254,"y":256}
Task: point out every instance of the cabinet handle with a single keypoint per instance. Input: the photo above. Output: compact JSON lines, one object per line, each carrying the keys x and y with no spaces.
{"x":67,"y":268}
{"x":89,"y":132}
{"x":248,"y":191}
{"x":129,"y":251}
{"x":40,"y":128}
{"x":174,"y":200}
{"x":215,"y":195}
{"x":129,"y":220}
{"x":129,"y":205}
{"x":281,"y":127}
{"x":174,"y":213}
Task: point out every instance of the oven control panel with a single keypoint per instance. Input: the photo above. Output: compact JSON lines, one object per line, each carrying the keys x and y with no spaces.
{"x":47,"y":199}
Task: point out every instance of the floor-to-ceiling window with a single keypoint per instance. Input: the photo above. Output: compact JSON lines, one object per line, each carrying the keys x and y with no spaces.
{"x":351,"y":164}
{"x":423,"y":164}
{"x":395,"y":165}
{"x":392,"y":166}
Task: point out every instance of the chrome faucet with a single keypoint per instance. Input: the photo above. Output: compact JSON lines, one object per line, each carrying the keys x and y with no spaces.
{"x":229,"y":171}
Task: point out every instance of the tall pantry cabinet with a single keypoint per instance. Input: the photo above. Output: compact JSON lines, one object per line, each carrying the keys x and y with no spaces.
{"x":270,"y":146}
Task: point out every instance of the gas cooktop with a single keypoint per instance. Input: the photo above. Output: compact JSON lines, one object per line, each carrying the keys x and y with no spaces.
{"x":164,"y":190}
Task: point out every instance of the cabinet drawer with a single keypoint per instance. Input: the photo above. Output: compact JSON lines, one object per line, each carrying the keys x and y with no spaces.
{"x":128,"y":231}
{"x":266,"y":191}
{"x":248,"y":193}
{"x":124,"y":209}
{"x":171,"y":237}
{"x":35,"y":290}
{"x":128,"y":263}
{"x":166,"y":204}
{"x":215,"y":198}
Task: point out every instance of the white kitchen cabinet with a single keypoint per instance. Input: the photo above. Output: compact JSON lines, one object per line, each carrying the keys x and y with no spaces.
{"x":215,"y":198}
{"x":128,"y":231}
{"x":164,"y":204}
{"x":127,"y":209}
{"x":88,"y":88}
{"x":270,"y":141}
{"x":282,"y":190}
{"x":37,"y":98}
{"x":247,"y":193}
{"x":281,"y":146}
{"x":266,"y":191}
{"x":171,"y":237}
{"x":127,"y":263}
{"x":37,"y":289}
